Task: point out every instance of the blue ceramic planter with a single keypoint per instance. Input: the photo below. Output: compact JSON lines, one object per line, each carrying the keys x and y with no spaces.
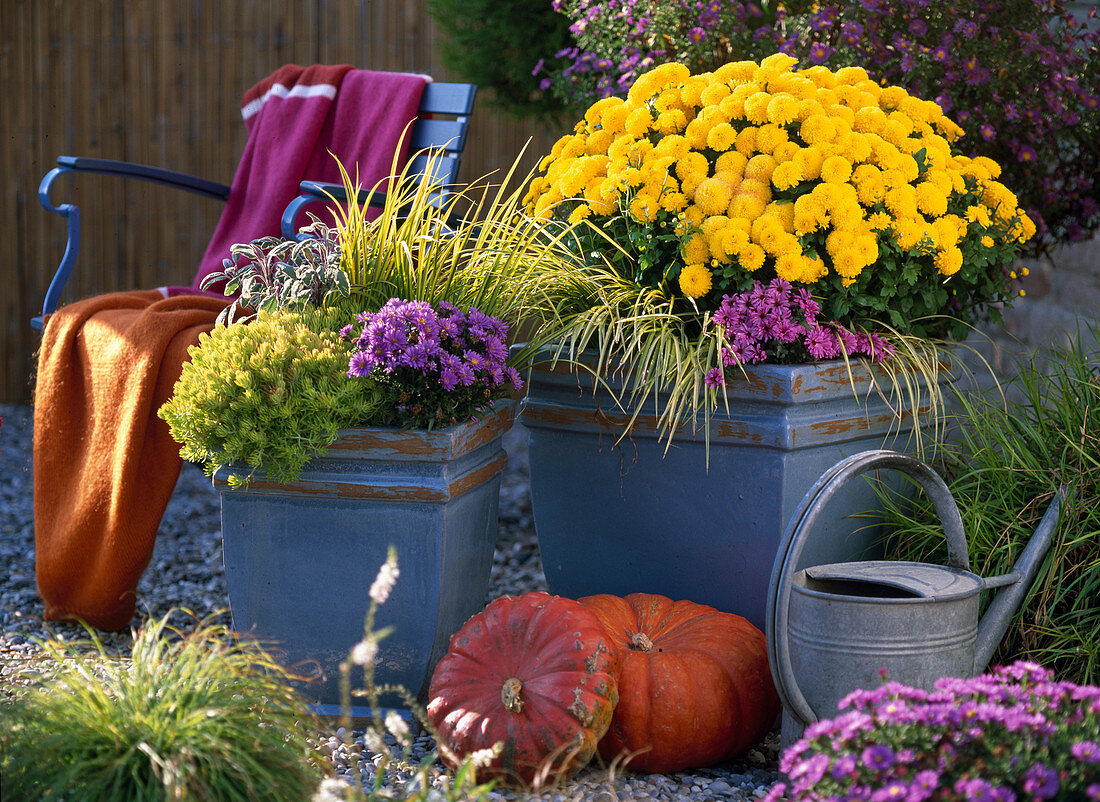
{"x":627,"y":516}
{"x":300,"y":558}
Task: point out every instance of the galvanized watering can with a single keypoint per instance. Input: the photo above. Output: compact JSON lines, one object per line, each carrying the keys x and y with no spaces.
{"x":832,"y":628}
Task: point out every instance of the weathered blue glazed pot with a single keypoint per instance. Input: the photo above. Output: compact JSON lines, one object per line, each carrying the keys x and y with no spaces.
{"x":300,"y":558}
{"x":629,"y":516}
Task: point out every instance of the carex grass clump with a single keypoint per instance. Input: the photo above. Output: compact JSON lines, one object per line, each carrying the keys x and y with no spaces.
{"x":195,"y":715}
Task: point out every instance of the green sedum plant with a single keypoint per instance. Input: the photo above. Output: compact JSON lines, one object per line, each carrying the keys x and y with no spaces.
{"x":199,"y":715}
{"x":269,"y":395}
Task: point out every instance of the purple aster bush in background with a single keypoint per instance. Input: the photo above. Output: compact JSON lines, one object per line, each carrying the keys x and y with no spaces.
{"x":436,"y":365}
{"x":776,"y":323}
{"x":1013,"y":734}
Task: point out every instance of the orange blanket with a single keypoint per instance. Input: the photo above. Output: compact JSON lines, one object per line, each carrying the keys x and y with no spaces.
{"x":104,"y":463}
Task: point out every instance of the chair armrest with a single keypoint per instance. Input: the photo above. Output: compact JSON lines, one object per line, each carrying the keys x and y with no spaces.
{"x":157,"y":175}
{"x":319,"y":192}
{"x":71,"y":212}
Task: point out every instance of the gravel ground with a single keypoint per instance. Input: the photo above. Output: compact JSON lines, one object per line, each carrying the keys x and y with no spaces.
{"x":186,"y":572}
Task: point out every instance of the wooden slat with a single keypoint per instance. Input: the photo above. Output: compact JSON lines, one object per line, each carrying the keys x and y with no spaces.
{"x":159,"y":82}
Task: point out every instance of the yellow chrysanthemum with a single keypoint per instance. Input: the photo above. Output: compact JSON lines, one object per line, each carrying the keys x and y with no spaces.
{"x":721,"y":137}
{"x":713,"y":94}
{"x":580,"y":213}
{"x":746,"y":141}
{"x":867,"y":179}
{"x":786,"y":175}
{"x":782,"y":109}
{"x":695,"y":250}
{"x":949,"y":261}
{"x":732,"y":161}
{"x":747,"y":205}
{"x":639,"y":122}
{"x":836,"y":170}
{"x":817,"y":129}
{"x":810,"y":214}
{"x":756,"y":108}
{"x":979,"y":215}
{"x":735,"y":72}
{"x":760,"y":168}
{"x":656,"y":80}
{"x":713,"y":195}
{"x":931,"y":201}
{"x":695,"y":280}
{"x":785,"y":151}
{"x":769,"y":137}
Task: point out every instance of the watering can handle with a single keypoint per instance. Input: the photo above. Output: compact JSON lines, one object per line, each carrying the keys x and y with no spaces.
{"x":790,"y":550}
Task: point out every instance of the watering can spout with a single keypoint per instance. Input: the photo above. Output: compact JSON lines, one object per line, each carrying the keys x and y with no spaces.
{"x":1016,"y":585}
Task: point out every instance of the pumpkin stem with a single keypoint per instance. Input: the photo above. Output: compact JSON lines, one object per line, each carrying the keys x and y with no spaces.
{"x":640,"y":642}
{"x":509,"y":695}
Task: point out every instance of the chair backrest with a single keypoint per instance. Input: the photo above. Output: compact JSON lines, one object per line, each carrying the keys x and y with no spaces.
{"x":446,"y":136}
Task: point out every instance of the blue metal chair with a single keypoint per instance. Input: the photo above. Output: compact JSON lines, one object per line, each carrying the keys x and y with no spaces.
{"x":445,"y":137}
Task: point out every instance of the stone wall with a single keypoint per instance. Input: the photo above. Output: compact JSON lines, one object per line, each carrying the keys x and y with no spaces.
{"x":1062,"y":300}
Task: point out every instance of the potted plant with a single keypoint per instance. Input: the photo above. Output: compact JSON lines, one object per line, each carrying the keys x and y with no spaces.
{"x":771,"y":256}
{"x":361,"y":407}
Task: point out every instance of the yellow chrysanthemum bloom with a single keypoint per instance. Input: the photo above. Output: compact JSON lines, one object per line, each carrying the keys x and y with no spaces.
{"x":836,"y":170}
{"x":760,"y":168}
{"x":721,"y":137}
{"x":747,"y":205}
{"x":817,"y":129}
{"x":695,"y":280}
{"x":931,"y":200}
{"x":713,"y":195}
{"x":752,"y":257}
{"x":644,"y":207}
{"x":979,"y":215}
{"x":652,"y":83}
{"x":756,"y":108}
{"x":695,"y":250}
{"x":639,"y":122}
{"x":732,"y":161}
{"x":746,"y":142}
{"x":769,"y":137}
{"x":782,"y":109}
{"x":786,"y":175}
{"x":949,"y":261}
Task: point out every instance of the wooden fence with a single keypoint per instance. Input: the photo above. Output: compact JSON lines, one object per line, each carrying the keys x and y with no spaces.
{"x":159,"y":82}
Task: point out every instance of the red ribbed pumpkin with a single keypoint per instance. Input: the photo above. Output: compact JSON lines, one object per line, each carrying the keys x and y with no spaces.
{"x":694,"y":689}
{"x":534,"y":672}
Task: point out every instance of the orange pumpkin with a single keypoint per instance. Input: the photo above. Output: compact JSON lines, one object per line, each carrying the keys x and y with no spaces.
{"x":694,"y":688}
{"x":533,"y":672}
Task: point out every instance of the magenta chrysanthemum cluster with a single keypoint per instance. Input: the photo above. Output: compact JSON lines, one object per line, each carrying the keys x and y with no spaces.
{"x":1014,"y":733}
{"x":774,"y":322}
{"x":439,"y":363}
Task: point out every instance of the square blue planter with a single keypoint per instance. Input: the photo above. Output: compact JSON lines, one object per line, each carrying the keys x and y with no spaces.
{"x":629,"y":516}
{"x":300,"y":558}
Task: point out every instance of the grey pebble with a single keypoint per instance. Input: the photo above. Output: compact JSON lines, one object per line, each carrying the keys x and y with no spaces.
{"x":186,"y":572}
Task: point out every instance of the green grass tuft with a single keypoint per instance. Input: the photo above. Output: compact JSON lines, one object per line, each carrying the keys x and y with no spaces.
{"x":1009,"y":461}
{"x":199,"y":715}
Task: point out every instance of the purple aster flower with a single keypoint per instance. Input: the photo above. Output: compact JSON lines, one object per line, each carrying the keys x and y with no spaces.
{"x":988,"y":132}
{"x":924,"y":785}
{"x":1041,"y":781}
{"x":975,"y":790}
{"x":877,"y":757}
{"x":697,"y":34}
{"x":513,"y":377}
{"x":844,"y":768}
{"x":918,"y":27}
{"x":359,"y":365}
{"x":449,"y":379}
{"x":821,"y":343}
{"x":892,"y":791}
{"x":715,"y":377}
{"x":1093,"y":792}
{"x":820,"y":53}
{"x":495,"y":349}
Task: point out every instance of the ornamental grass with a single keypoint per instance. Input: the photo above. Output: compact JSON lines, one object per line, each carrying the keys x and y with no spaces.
{"x":1004,"y":470}
{"x":196,"y":715}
